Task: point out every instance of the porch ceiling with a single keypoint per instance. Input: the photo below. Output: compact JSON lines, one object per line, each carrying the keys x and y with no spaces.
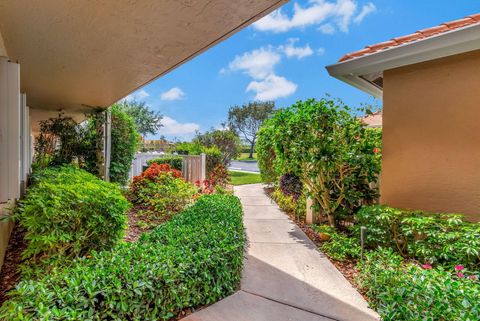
{"x":79,"y":55}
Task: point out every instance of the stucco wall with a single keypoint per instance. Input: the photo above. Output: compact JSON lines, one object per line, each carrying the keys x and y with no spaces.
{"x":431,"y":136}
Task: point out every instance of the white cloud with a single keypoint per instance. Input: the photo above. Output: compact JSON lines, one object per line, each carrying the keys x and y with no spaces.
{"x":317,"y":12}
{"x":327,"y":29}
{"x":366,"y":10}
{"x":299,"y":52}
{"x":258,"y":63}
{"x":173,"y":94}
{"x":137,"y":95}
{"x":272,"y":87}
{"x":320,"y":51}
{"x":174,"y":128}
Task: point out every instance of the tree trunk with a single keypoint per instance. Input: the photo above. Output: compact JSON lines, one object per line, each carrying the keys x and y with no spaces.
{"x":331,"y":219}
{"x":252,"y":146}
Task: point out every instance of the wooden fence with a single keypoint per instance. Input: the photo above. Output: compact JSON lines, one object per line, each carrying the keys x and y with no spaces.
{"x":193,"y":166}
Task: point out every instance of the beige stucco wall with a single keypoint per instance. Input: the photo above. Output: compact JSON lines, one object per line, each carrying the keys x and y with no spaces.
{"x":431,"y":136}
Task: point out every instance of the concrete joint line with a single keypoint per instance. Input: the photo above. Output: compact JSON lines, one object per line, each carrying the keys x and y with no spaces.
{"x":289,"y":305}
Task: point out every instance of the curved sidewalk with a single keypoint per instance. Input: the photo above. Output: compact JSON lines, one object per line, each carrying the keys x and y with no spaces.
{"x":285,"y":277}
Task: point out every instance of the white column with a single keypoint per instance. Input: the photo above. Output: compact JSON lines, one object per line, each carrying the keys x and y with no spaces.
{"x":108,"y":143}
{"x":203,"y":167}
{"x":9,"y":130}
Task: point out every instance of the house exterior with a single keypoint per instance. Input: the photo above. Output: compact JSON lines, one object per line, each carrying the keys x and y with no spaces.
{"x":429,"y":82}
{"x":79,"y":57}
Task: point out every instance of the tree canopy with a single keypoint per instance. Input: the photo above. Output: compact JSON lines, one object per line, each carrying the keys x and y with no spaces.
{"x":147,"y":121}
{"x":247,"y":119}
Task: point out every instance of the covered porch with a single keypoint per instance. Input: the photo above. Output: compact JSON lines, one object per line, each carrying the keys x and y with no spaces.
{"x":80,"y":57}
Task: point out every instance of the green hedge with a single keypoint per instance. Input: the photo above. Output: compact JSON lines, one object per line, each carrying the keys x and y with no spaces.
{"x":192,"y":260}
{"x":68,"y":212}
{"x":175,"y":162}
{"x":428,"y":237}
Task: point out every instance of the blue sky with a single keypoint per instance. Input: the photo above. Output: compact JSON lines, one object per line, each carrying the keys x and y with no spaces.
{"x":282,"y":58}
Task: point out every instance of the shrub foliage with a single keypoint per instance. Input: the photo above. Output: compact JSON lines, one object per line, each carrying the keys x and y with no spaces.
{"x":192,"y":260}
{"x":69,"y":212}
{"x":324,"y":144}
{"x":175,"y":162}
{"x":162,"y":190}
{"x":427,"y":237}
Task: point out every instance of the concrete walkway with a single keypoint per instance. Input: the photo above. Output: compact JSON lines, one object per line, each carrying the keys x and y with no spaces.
{"x":285,"y":277}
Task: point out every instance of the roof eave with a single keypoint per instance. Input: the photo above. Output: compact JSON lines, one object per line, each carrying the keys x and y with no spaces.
{"x":446,"y":44}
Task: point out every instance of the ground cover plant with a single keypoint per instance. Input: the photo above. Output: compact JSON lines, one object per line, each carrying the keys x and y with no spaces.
{"x":68,"y":213}
{"x":192,"y":260}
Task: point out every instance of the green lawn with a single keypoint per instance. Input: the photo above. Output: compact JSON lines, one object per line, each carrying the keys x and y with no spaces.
{"x":242,"y":178}
{"x":244,"y":156}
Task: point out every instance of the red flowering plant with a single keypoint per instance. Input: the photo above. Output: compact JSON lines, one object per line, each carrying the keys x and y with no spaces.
{"x":161,"y":190}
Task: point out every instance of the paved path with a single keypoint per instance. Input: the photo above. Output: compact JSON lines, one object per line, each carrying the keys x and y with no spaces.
{"x":247,"y":166}
{"x":285,"y":277}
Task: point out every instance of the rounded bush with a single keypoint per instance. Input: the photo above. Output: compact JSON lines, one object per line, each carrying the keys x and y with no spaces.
{"x":68,"y":212}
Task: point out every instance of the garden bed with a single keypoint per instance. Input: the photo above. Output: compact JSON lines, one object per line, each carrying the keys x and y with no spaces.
{"x":193,"y":260}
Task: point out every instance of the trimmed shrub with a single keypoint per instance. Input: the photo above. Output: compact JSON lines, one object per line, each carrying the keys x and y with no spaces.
{"x":162,"y":190}
{"x":68,"y":212}
{"x":404,"y":291}
{"x":175,"y":162}
{"x":192,"y":260}
{"x":427,"y":237}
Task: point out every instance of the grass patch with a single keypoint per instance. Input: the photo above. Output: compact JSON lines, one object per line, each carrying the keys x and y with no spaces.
{"x":244,"y":157}
{"x":242,"y":178}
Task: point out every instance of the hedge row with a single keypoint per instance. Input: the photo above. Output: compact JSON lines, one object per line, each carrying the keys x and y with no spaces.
{"x":194,"y":259}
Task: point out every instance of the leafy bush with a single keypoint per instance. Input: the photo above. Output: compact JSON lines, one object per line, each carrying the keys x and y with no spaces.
{"x":404,"y":291}
{"x":289,"y":205}
{"x":68,"y":212}
{"x":428,"y":237}
{"x":175,"y":162}
{"x":330,"y":149}
{"x":162,"y":190}
{"x":192,"y":260}
{"x":339,"y":246}
{"x":291,"y":185}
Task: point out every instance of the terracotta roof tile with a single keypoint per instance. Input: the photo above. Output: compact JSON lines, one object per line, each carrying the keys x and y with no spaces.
{"x":421,"y":34}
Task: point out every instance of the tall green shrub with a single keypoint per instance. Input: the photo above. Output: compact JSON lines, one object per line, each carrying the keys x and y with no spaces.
{"x":68,"y":212}
{"x":337,"y":158}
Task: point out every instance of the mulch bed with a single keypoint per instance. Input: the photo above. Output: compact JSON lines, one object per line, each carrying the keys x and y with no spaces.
{"x":10,"y":273}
